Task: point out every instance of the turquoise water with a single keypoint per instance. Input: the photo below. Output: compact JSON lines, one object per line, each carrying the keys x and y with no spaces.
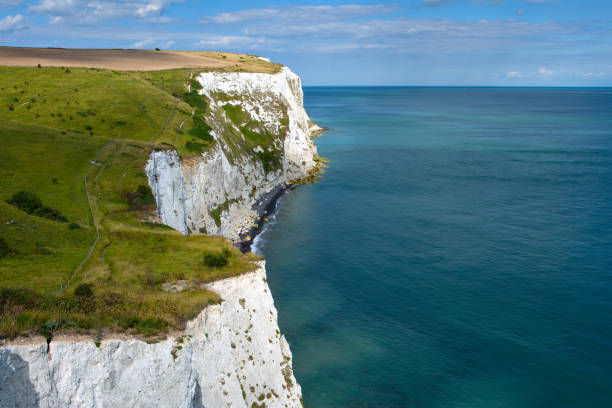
{"x":457,"y":253}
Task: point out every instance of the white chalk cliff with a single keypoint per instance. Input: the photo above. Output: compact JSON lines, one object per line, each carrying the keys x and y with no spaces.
{"x":231,"y":355}
{"x":232,"y":177}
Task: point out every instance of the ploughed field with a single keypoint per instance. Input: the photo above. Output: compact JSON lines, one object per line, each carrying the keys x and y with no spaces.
{"x":92,"y":264}
{"x":130,"y":60}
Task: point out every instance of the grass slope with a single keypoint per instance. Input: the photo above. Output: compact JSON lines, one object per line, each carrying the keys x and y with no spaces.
{"x":57,"y":127}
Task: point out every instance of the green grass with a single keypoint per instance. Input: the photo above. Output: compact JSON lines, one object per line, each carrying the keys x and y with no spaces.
{"x":253,"y":135}
{"x":102,"y":124}
{"x":138,"y":106}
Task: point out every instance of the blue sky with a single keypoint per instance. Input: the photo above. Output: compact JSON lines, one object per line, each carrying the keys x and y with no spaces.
{"x":410,"y":42}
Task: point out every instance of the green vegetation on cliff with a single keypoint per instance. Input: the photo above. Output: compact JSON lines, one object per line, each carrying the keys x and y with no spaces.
{"x":78,"y":140}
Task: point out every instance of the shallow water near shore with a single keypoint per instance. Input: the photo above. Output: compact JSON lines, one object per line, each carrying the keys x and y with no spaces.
{"x":457,"y":252}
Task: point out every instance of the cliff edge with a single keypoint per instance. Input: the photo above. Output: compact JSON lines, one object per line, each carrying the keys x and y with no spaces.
{"x":232,"y":354}
{"x":129,"y":312}
{"x":263,"y":143}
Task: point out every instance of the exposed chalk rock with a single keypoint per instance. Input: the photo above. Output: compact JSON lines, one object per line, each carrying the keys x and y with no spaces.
{"x":216,"y":193}
{"x":232,"y":354}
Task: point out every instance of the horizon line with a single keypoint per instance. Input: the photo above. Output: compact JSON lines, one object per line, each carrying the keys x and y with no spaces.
{"x":461,"y":86}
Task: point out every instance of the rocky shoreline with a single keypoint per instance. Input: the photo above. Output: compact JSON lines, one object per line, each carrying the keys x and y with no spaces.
{"x":264,"y":208}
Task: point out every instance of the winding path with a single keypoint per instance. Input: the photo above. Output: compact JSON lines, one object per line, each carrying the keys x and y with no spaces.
{"x":93,"y":220}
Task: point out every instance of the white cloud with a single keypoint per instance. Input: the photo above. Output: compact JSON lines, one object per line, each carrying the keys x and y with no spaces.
{"x":407,"y":30}
{"x":333,"y":48}
{"x":442,"y":3}
{"x":148,"y":9}
{"x":142,"y":44}
{"x":9,"y":3}
{"x":152,"y":43}
{"x":13,"y":23}
{"x":233,"y":42}
{"x":520,"y":12}
{"x":300,"y":13}
{"x":92,"y":11}
{"x":541,"y":72}
{"x":593,"y":75}
{"x":160,"y":19}
{"x":545,"y":72}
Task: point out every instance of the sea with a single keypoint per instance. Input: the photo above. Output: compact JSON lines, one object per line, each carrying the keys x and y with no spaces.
{"x":456,"y":253}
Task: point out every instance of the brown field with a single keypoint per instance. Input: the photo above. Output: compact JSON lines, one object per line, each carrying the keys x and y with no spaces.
{"x":122,"y":60}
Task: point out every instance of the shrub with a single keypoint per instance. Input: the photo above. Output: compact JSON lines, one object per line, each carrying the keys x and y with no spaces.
{"x":236,"y":114}
{"x":84,"y":290}
{"x":226,"y":252}
{"x":129,"y":322}
{"x":157,"y":49}
{"x":195,"y":85}
{"x":201,"y":130}
{"x":215,"y":260}
{"x":17,"y":298}
{"x":25,"y":201}
{"x":31,"y":204}
{"x":49,"y":213}
{"x":151,"y":326}
{"x":195,"y":100}
{"x":269,"y":160}
{"x":140,"y":198}
{"x":5,"y":250}
{"x":48,"y":328}
{"x":195,"y":147}
{"x":74,"y":226}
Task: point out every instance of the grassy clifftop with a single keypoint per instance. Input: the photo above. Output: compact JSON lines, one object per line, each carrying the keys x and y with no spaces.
{"x":67,"y":133}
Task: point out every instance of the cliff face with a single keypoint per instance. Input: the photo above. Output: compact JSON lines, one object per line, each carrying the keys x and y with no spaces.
{"x":263,"y":142}
{"x":232,"y":354}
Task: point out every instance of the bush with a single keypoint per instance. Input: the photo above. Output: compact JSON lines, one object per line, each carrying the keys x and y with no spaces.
{"x":129,"y":322}
{"x":31,"y":204}
{"x":140,"y":198}
{"x":25,"y":201}
{"x":195,"y":85}
{"x":151,"y":326}
{"x":195,"y":100}
{"x":49,"y":213}
{"x":215,"y":260}
{"x":5,"y":250}
{"x":84,"y":290}
{"x":195,"y":147}
{"x":201,"y":130}
{"x":74,"y":226}
{"x":17,"y":298}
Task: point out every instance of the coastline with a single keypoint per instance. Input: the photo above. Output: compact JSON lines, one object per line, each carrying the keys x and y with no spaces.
{"x":265,"y":208}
